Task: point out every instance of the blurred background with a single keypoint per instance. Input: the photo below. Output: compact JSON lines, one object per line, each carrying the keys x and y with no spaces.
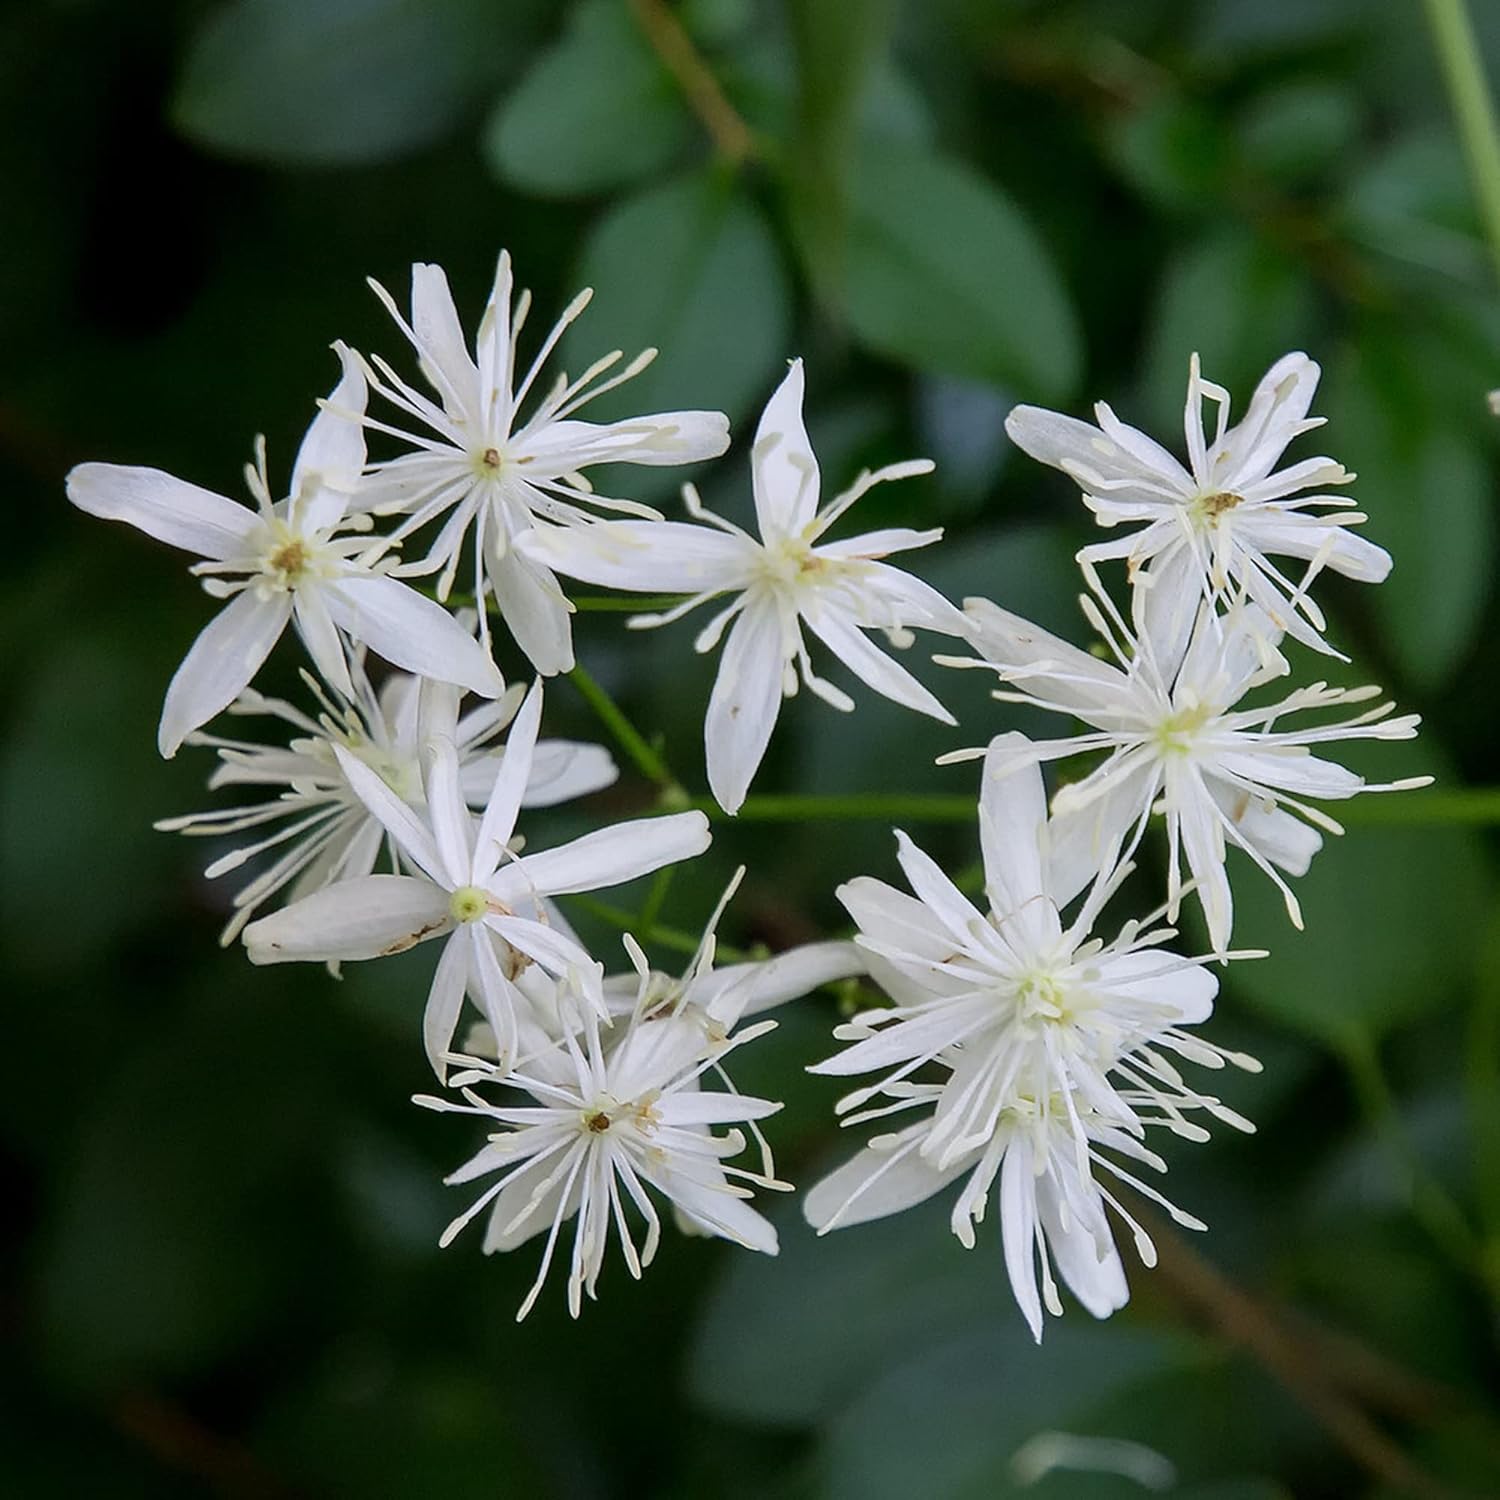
{"x":220,"y":1271}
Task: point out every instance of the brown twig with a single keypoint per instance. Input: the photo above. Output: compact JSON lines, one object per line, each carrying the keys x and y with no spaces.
{"x":732,"y":137}
{"x":1244,"y":1320}
{"x":180,"y":1442}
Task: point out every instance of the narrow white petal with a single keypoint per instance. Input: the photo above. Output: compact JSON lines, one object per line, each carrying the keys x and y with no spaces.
{"x":229,"y":651}
{"x":611,"y":856}
{"x":534,"y":608}
{"x":321,"y":637}
{"x":171,"y":510}
{"x":396,"y":817}
{"x":651,"y":557}
{"x":396,"y":622}
{"x":332,"y":455}
{"x":354,"y":919}
{"x":745,"y":701}
{"x":504,"y":802}
{"x":871,"y":665}
{"x":445,"y":1000}
{"x":876,"y":1183}
{"x":784,"y":469}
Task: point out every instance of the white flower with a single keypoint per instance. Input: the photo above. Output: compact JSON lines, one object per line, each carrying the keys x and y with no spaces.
{"x":1179,"y":744}
{"x":609,"y":1115}
{"x":291,"y":563}
{"x":324,"y":833}
{"x":492,"y":470}
{"x":470,"y":888}
{"x":1218,"y":522}
{"x":783,"y":581}
{"x":1054,"y":1045}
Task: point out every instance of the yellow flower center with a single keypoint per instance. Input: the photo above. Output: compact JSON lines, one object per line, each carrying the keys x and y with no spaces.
{"x":468,"y":903}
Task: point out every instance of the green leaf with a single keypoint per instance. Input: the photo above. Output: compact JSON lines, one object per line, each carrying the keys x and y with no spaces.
{"x":594,"y":111}
{"x":1234,"y":301}
{"x":1429,"y":493}
{"x":341,"y":81}
{"x":1390,"y":917}
{"x":691,"y":268}
{"x":1300,"y":130}
{"x":946,"y":274}
{"x":945,"y":1423}
{"x":1174,"y":152}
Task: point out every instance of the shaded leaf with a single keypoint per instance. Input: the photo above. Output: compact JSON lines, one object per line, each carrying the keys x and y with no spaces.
{"x":946,"y":274}
{"x":596,"y":110}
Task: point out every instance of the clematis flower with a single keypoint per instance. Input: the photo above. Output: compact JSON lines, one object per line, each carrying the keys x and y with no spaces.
{"x":1213,"y":526}
{"x":1057,"y":1052}
{"x":605,"y":1114}
{"x":490,"y":470}
{"x":321,"y":829}
{"x":1179,"y":743}
{"x":785,"y":579}
{"x":285,"y":561}
{"x":470,"y":888}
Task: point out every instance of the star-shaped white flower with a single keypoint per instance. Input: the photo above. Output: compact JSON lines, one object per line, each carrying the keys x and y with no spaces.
{"x":1054,"y":1045}
{"x":285,"y":561}
{"x":470,"y":888}
{"x":1179,"y":744}
{"x":785,"y":579}
{"x":1214,"y":525}
{"x":492,"y":470}
{"x":606,"y":1114}
{"x":321,"y":829}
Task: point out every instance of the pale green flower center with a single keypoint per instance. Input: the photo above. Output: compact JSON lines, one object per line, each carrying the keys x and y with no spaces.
{"x":1176,"y":735}
{"x":1041,"y":997}
{"x":489,"y":463}
{"x":468,"y":903}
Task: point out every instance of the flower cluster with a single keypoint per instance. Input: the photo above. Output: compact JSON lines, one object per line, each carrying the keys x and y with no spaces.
{"x":1016,"y":1044}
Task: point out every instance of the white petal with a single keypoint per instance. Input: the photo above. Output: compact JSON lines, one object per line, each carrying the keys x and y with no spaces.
{"x":1151,"y":974}
{"x":534,"y":608}
{"x":504,"y":803}
{"x":395,"y":815}
{"x":514,"y":1197}
{"x":332,"y":455}
{"x":1139,"y":472}
{"x":874,"y":1184}
{"x":1084,"y":684}
{"x":1018,"y":1186}
{"x":445,"y":1000}
{"x":652,"y":557}
{"x":871,"y":665}
{"x":1097,"y":1281}
{"x":611,"y":856}
{"x":745,"y":701}
{"x":740,"y":990}
{"x":321,"y":637}
{"x":563,"y":770}
{"x":441,"y":347}
{"x":448,"y":814}
{"x":1012,"y":823}
{"x":722,"y":1213}
{"x":894,"y":919}
{"x":227,"y":654}
{"x":1348,"y":552}
{"x":171,"y":510}
{"x":668,"y":437}
{"x":396,"y":622}
{"x":1281,"y":837}
{"x":1165,"y":603}
{"x":369,"y":918}
{"x":784,"y":469}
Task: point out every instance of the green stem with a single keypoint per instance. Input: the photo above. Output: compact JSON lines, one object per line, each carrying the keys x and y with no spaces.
{"x":643,"y":755}
{"x":876,"y":806}
{"x":1463,"y":73}
{"x":630,"y":604}
{"x":1430,"y":1203}
{"x":1478,"y":806}
{"x":664,"y":937}
{"x":655,"y":899}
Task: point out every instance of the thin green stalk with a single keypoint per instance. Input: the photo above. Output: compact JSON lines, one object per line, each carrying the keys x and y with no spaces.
{"x":1477,"y":806}
{"x":655,"y":899}
{"x":916,"y":807}
{"x":629,"y":604}
{"x":643,"y":755}
{"x":664,"y":937}
{"x":1473,"y":107}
